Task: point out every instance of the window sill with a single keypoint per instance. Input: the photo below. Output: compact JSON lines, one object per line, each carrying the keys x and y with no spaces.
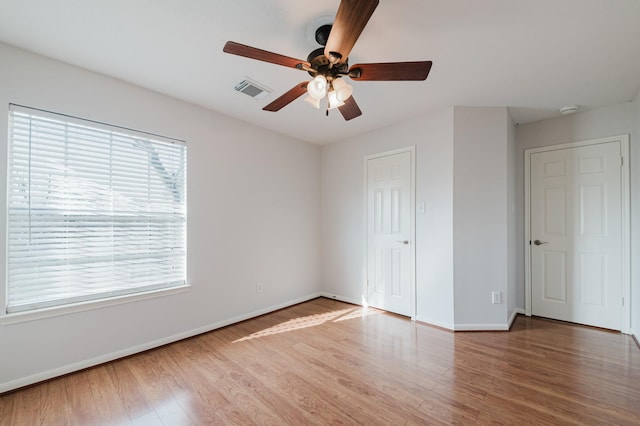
{"x":19,"y":317}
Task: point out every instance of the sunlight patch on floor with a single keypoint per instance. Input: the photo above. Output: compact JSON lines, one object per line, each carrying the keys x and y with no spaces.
{"x":312,"y":321}
{"x":359,"y":313}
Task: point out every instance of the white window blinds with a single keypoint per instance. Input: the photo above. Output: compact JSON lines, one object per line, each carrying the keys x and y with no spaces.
{"x":94,"y":211}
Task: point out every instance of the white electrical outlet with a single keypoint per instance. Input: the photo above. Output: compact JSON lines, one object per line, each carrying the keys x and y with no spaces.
{"x":259,"y":288}
{"x":495,"y":297}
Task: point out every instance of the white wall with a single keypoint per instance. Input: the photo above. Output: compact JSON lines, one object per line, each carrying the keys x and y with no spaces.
{"x":480,"y":216}
{"x":344,"y":262}
{"x":515,"y":250}
{"x":473,"y":185}
{"x":253,"y":215}
{"x":463,"y":178}
{"x":635,"y":224}
{"x":607,"y":121}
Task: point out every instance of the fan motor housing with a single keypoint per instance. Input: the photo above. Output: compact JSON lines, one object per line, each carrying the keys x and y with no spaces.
{"x":321,"y":63}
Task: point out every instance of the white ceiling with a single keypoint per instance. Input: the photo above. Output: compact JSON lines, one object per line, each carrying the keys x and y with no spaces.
{"x":533,"y":56}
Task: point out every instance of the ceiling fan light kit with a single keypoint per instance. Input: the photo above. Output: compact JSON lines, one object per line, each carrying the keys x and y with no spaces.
{"x":343,"y":89}
{"x":317,"y":89}
{"x":313,"y":101}
{"x":329,"y":65}
{"x":334,"y":102}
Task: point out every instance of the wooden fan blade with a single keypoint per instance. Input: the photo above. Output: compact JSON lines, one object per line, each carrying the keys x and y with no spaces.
{"x":351,"y":18}
{"x":391,"y":71}
{"x":263,"y":55}
{"x":350,"y":109}
{"x":284,"y":100}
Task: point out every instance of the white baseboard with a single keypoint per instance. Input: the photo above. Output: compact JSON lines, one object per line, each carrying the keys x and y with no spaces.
{"x":514,"y":314}
{"x":448,"y":326}
{"x":491,"y":327}
{"x":50,"y":374}
{"x":341,"y":298}
{"x":435,"y":323}
{"x":424,"y":320}
{"x":481,"y":327}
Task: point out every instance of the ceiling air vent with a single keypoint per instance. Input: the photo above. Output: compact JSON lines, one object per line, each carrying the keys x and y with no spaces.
{"x":253,"y":89}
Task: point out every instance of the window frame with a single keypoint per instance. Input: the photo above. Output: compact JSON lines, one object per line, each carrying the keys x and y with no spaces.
{"x":95,"y":303}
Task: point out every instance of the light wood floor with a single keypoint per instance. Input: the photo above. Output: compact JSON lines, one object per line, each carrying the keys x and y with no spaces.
{"x":326,"y":362}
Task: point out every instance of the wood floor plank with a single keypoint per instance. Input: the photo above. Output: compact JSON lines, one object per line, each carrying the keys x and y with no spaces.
{"x":503,"y":411}
{"x":246,"y":409}
{"x":82,"y":407}
{"x":151,"y":418}
{"x":448,"y":408}
{"x":264,"y":390}
{"x":327,"y":362}
{"x":127,"y":388}
{"x":171,"y":413}
{"x":108,"y":403}
{"x":465,"y":382}
{"x":272,"y":395}
{"x":563,"y":405}
{"x":27,"y":406}
{"x":376,"y":400}
{"x":55,"y":407}
{"x":159,"y":388}
{"x":333,"y":374}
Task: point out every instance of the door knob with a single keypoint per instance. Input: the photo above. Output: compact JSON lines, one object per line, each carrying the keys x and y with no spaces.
{"x":405,"y":242}
{"x":539,"y":243}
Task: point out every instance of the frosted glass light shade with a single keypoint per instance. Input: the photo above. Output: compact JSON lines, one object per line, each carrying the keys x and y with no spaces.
{"x":317,"y":88}
{"x":313,"y":101}
{"x":343,"y":89}
{"x":334,"y":102}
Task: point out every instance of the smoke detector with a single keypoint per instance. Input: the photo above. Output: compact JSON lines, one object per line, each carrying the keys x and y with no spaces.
{"x":568,"y":109}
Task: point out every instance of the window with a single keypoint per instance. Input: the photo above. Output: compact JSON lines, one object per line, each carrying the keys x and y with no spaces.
{"x":94,"y":211}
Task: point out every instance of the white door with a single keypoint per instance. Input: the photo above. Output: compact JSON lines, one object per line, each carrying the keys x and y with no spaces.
{"x":576,"y":235}
{"x":389,"y":233}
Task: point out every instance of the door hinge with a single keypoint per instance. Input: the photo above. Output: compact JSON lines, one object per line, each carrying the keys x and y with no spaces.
{"x":623,"y":301}
{"x":622,"y":161}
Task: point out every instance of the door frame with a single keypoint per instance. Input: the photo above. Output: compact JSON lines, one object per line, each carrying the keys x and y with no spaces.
{"x":412,"y":226}
{"x":623,"y":140}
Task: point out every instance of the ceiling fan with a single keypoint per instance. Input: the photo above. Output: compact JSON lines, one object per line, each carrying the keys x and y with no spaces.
{"x":329,"y":64}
